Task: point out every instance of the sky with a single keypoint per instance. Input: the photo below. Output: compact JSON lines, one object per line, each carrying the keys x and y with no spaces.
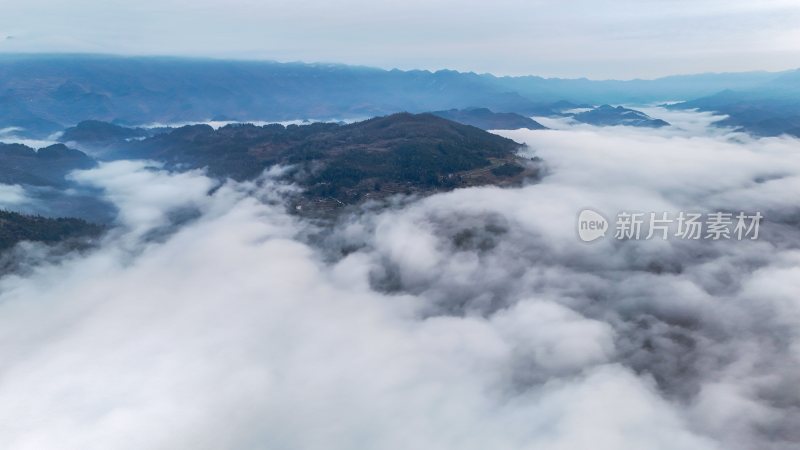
{"x":596,"y":39}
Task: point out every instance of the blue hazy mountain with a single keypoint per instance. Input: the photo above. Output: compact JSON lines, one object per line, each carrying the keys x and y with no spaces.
{"x":42,"y":93}
{"x":20,"y":164}
{"x":607,"y":115}
{"x":49,"y":192}
{"x":677,"y":87}
{"x":45,"y":93}
{"x":769,"y":109}
{"x":487,"y":119}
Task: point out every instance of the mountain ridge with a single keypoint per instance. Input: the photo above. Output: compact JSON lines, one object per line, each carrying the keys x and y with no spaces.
{"x":371,"y":159}
{"x":45,"y":93}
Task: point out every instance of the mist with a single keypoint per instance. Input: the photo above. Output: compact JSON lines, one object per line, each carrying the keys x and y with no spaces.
{"x":210,"y":317}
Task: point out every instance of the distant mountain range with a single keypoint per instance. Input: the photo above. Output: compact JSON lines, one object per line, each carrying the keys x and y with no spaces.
{"x":635,"y":92}
{"x":126,"y":107}
{"x":42,"y":94}
{"x":770,"y":109}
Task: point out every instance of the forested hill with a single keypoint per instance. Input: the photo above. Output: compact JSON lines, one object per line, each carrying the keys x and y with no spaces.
{"x":48,"y":166}
{"x":15,"y":228}
{"x":42,"y":94}
{"x":344,"y":163}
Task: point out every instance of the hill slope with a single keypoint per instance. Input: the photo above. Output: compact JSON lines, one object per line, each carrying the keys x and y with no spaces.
{"x":20,"y":164}
{"x":607,"y":115}
{"x":15,"y":228}
{"x":411,"y":153}
{"x":486,"y":119}
{"x":770,"y":109}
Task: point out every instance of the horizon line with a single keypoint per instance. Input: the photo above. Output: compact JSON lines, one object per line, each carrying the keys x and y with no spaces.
{"x":363,"y":66}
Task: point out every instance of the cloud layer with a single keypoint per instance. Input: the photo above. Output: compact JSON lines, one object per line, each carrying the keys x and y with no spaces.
{"x":210,"y":318}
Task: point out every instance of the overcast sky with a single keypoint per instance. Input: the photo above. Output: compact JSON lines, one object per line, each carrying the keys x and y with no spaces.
{"x":596,"y":39}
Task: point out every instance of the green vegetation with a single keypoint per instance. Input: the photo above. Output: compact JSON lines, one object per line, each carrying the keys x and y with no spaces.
{"x":508,"y":170}
{"x":20,"y":164}
{"x":97,"y":132}
{"x":400,"y":153}
{"x":486,"y":119}
{"x":16,"y":227}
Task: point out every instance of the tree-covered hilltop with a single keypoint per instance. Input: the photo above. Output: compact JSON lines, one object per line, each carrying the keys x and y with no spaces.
{"x":101,"y":133}
{"x":15,"y":228}
{"x":402,"y":152}
{"x":20,"y":164}
{"x":607,"y":115}
{"x":487,"y":119}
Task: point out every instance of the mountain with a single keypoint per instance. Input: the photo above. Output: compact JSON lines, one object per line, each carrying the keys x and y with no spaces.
{"x":340,"y":164}
{"x":45,"y":93}
{"x":337,"y":164}
{"x":42,"y":175}
{"x":100,"y":133}
{"x":66,"y":89}
{"x":770,"y":109}
{"x":485,"y":119}
{"x":676,"y":87}
{"x":15,"y":228}
{"x":20,"y":164}
{"x":607,"y":115}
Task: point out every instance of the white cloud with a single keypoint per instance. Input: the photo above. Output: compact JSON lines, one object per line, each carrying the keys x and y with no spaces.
{"x":145,"y":195}
{"x":233,"y":334}
{"x":12,"y":195}
{"x":472,"y":319}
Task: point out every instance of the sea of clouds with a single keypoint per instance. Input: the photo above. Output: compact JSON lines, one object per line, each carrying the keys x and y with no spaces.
{"x":211,"y":318}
